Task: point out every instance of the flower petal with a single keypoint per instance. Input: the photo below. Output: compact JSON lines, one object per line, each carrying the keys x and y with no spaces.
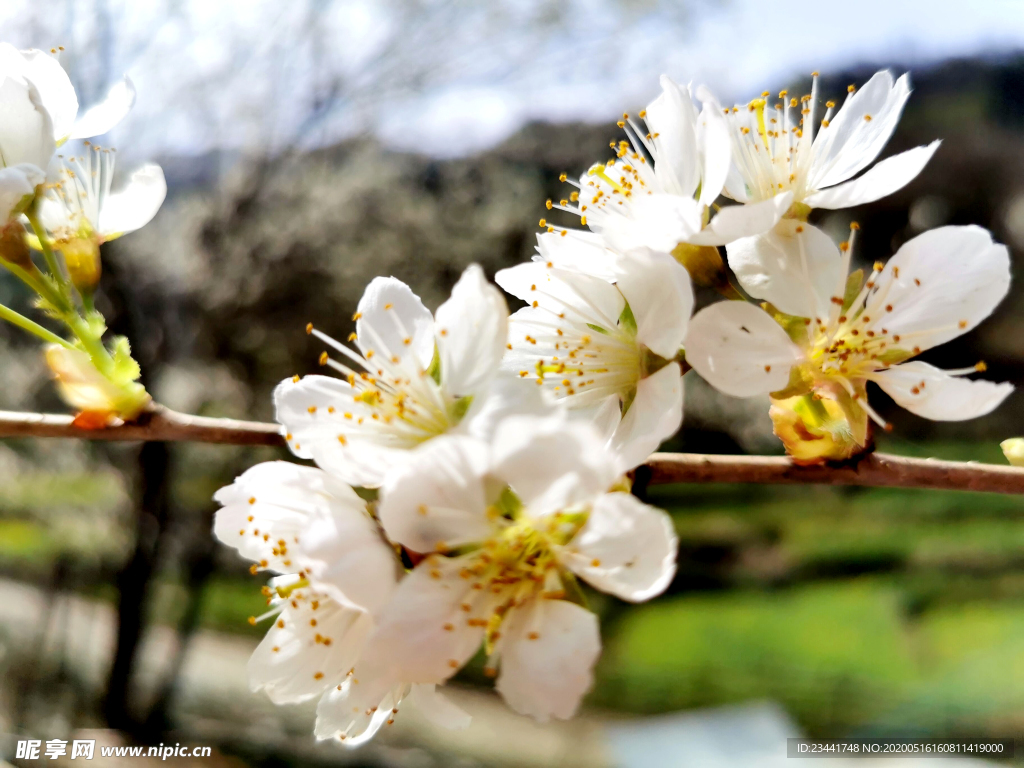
{"x":938,"y":286}
{"x":16,"y":183}
{"x":577,"y":251}
{"x":627,"y":548}
{"x":323,"y":420}
{"x":506,"y":396}
{"x":737,"y":221}
{"x":436,"y":499}
{"x":56,"y":93}
{"x":657,"y":221}
{"x":795,"y":266}
{"x":672,"y":120}
{"x":292,"y":665}
{"x":738,"y":349}
{"x":355,"y":709}
{"x":716,"y":152}
{"x":859,"y":131}
{"x":551,"y":462}
{"x":472,"y":330}
{"x":26,"y":130}
{"x":655,"y":414}
{"x":135,"y":205}
{"x":392,"y":321}
{"x":547,"y":658}
{"x":660,"y":296}
{"x":881,"y":180}
{"x":432,"y":625}
{"x":437,"y":708}
{"x":589,"y":296}
{"x":345,"y":555}
{"x":102,"y":117}
{"x":933,"y":394}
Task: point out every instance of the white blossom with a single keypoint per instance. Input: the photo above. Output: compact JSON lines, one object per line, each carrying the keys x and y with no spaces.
{"x":604,"y":345}
{"x":336,"y":572}
{"x":666,"y":201}
{"x":411,"y":378}
{"x":509,"y":526}
{"x":837,"y":335}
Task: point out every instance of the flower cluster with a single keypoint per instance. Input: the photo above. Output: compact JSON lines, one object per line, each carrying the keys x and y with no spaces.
{"x":66,"y":202}
{"x":494,"y":451}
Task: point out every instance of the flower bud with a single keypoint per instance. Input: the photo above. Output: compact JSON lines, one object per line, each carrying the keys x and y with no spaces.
{"x":706,"y":268}
{"x":82,"y":257}
{"x":13,"y":248}
{"x":1013,"y":450}
{"x":98,"y":399}
{"x":814,"y":430}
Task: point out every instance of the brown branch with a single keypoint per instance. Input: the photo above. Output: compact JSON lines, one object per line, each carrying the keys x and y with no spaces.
{"x":875,"y":469}
{"x":157,"y":424}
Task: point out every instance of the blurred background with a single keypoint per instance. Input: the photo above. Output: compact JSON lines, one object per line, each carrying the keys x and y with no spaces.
{"x":313,"y":144}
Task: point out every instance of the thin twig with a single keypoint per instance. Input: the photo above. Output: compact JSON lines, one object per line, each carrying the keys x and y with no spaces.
{"x":874,"y":469}
{"x":158,"y":423}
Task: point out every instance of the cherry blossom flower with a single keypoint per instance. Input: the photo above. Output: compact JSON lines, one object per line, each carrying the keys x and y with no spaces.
{"x":606,"y":346}
{"x":336,"y":571}
{"x":411,"y":378}
{"x":667,"y":202}
{"x":509,"y":526}
{"x":57,"y":95}
{"x":836,"y":332}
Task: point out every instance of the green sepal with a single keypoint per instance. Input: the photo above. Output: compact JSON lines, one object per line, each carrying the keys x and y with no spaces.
{"x":434,"y":369}
{"x":125,"y":368}
{"x":627,"y":321}
{"x":854,"y":283}
{"x":458,"y":408}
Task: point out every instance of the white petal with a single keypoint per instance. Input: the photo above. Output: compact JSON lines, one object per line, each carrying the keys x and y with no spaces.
{"x":660,"y":296}
{"x":881,"y":180}
{"x":672,"y":117}
{"x":627,"y":548}
{"x":508,"y":395}
{"x":436,"y":499}
{"x":737,"y":221}
{"x":26,"y":131}
{"x":740,"y":350}
{"x":354,"y":710}
{"x":657,"y":221}
{"x":368,"y":451}
{"x":393,"y":322}
{"x":425,"y":634}
{"x":548,"y":657}
{"x":591,"y":296}
{"x":102,"y":117}
{"x":939,"y":285}
{"x":577,"y":251}
{"x":56,"y":92}
{"x":276,"y":501}
{"x":859,"y":131}
{"x":933,"y":394}
{"x":16,"y":183}
{"x":345,"y":555}
{"x":795,"y":266}
{"x":472,"y":330}
{"x":550,"y":462}
{"x":135,"y":205}
{"x":716,"y":148}
{"x":655,"y":414}
{"x":437,"y":708}
{"x":301,"y":667}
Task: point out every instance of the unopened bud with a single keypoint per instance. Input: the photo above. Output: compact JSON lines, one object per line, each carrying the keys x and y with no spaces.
{"x":13,"y":248}
{"x":815,"y":430}
{"x":704,"y":263}
{"x":82,"y":258}
{"x":1013,"y":450}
